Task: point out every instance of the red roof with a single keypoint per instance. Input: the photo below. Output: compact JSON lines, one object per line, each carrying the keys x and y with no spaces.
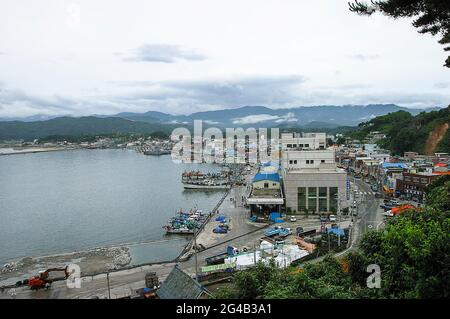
{"x":441,"y":173}
{"x":441,"y":165}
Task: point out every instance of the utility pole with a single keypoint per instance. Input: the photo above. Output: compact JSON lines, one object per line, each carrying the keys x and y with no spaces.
{"x":195,"y":255}
{"x":329,"y":244}
{"x":254,"y":253}
{"x":109,"y":290}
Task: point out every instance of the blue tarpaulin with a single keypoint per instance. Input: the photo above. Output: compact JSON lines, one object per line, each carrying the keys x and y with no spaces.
{"x":336,"y":231}
{"x":274,"y":177}
{"x":274,"y":215}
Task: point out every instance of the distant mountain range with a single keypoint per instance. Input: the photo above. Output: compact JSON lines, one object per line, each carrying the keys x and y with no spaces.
{"x":261,"y":116}
{"x":324,"y":117}
{"x":76,"y":126}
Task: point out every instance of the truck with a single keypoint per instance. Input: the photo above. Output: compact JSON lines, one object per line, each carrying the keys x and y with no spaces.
{"x":284,"y":232}
{"x":399,"y":209}
{"x":272,"y":231}
{"x":220,"y":258}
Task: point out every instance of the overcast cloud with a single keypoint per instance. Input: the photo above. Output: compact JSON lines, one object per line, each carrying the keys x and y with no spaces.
{"x":162,"y":53}
{"x":84,"y":57}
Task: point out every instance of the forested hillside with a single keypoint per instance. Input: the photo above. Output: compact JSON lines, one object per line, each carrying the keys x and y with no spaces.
{"x":82,"y":126}
{"x":423,"y":133}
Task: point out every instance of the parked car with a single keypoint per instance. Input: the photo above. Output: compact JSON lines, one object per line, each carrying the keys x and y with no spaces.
{"x":292,"y":219}
{"x":332,"y":218}
{"x":220,"y":230}
{"x":323,"y":219}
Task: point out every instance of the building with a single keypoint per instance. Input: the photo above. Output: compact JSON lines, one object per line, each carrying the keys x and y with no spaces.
{"x":179,"y":285}
{"x":413,"y":185}
{"x":266,"y":194}
{"x":303,"y":141}
{"x":312,"y":181}
{"x":308,"y":159}
{"x":389,"y":174}
{"x":375,"y":136}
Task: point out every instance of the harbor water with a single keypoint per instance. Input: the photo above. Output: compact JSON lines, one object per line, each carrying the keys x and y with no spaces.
{"x":59,"y":202}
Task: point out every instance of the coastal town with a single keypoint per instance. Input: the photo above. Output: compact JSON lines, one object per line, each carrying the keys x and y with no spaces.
{"x":225,"y":158}
{"x":318,"y":199}
{"x":149,"y":145}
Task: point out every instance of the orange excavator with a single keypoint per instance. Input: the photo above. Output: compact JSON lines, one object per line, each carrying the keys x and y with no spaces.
{"x":43,"y":280}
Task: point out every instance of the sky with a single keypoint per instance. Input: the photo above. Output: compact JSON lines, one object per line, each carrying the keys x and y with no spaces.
{"x":62,"y":57}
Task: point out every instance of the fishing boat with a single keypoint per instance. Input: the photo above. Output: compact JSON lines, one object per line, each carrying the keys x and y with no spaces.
{"x":157,"y":151}
{"x":206,"y":184}
{"x":199,"y":180}
{"x":185,"y":222}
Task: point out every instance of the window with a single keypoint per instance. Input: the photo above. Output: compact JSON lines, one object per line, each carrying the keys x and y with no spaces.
{"x":290,"y":161}
{"x":306,"y":145}
{"x":300,"y":145}
{"x":289,"y":145}
{"x":311,"y":161}
{"x":266,"y":185}
{"x":322,"y":192}
{"x":294,"y":145}
{"x":322,"y":161}
{"x":323,"y":205}
{"x":323,"y":199}
{"x":312,"y":204}
{"x":312,"y":199}
{"x":307,"y":161}
{"x":301,"y":193}
{"x":295,"y":161}
{"x":333,"y":198}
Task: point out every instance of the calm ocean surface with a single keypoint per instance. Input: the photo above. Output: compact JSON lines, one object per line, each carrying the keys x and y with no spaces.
{"x":67,"y":201}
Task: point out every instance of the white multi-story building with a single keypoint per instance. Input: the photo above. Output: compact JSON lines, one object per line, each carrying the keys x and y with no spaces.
{"x":303,"y":141}
{"x":305,"y":159}
{"x":312,"y":180}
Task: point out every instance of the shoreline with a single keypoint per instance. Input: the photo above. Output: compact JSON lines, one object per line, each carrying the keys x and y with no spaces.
{"x":92,"y":261}
{"x":31,"y":150}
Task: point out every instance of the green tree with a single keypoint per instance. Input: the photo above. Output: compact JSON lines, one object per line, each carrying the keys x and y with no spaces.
{"x":252,"y":283}
{"x":430,"y":16}
{"x":438,"y":194}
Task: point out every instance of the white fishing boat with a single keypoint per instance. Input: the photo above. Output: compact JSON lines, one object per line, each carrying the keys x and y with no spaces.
{"x":206,"y":184}
{"x":199,"y":180}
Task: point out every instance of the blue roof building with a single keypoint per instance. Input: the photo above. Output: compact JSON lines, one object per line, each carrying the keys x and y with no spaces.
{"x":273,"y":177}
{"x":395,"y":165}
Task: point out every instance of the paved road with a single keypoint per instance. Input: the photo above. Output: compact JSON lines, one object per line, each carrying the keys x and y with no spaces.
{"x":369,"y":215}
{"x":369,"y":212}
